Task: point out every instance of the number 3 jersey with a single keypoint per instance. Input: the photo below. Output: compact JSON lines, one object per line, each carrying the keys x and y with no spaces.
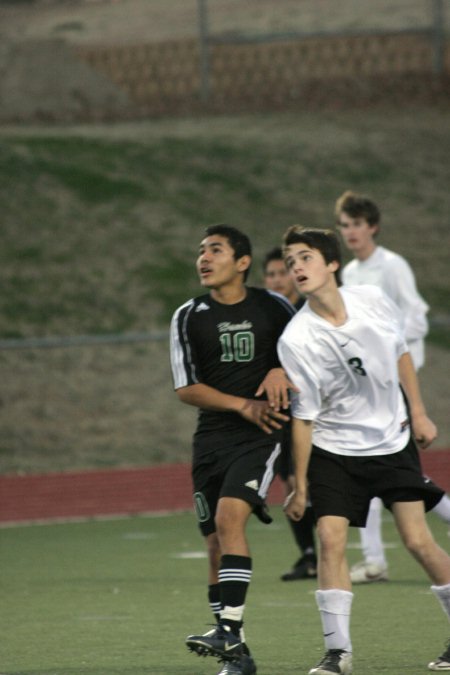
{"x":230,"y":348}
{"x":348,"y":376}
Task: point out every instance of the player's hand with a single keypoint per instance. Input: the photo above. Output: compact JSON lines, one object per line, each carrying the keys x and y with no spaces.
{"x":295,"y":505}
{"x":276,"y":386}
{"x":261,"y":414}
{"x":424,"y":430}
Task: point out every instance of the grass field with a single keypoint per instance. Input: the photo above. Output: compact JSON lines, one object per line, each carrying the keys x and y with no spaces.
{"x":118,"y":597}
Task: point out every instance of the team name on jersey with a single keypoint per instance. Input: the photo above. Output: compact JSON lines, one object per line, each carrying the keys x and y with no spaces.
{"x":226,"y":326}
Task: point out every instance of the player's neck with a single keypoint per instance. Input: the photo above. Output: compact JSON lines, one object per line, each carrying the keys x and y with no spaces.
{"x":329,"y":305}
{"x":366,"y":252}
{"x":229,"y":294}
{"x":293,"y":297}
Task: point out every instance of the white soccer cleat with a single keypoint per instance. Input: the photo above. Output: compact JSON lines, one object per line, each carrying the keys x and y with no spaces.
{"x":442,"y":663}
{"x":366,"y":573}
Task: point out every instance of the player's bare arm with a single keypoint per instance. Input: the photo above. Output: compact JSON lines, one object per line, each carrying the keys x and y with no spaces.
{"x":209,"y":398}
{"x":424,"y":429}
{"x":276,"y":386}
{"x":295,"y":503}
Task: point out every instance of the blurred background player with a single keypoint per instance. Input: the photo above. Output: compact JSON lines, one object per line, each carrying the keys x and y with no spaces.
{"x":358,"y":219}
{"x":278,"y":279}
{"x":223,"y":347}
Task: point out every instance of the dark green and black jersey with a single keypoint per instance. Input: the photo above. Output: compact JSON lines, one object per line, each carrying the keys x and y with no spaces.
{"x":230,"y":348}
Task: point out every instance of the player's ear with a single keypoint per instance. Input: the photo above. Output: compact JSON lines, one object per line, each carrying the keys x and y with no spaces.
{"x":333,"y":266}
{"x":244,"y":263}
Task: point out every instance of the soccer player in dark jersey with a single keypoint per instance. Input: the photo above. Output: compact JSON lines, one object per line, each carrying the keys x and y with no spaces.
{"x":224,"y":361}
{"x":277,"y":278}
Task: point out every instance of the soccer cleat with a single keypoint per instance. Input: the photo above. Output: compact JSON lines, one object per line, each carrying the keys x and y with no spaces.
{"x":442,"y":662}
{"x":243,"y":666}
{"x":219,"y":641}
{"x":335,"y":661}
{"x":305,"y":568}
{"x":366,"y":573}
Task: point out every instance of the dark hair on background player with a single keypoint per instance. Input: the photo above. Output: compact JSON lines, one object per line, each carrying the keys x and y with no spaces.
{"x":238,"y":241}
{"x":357,"y":206}
{"x":275,"y":253}
{"x":325,"y":241}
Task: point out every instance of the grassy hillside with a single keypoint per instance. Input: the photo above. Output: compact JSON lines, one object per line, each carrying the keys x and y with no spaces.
{"x":99,"y":232}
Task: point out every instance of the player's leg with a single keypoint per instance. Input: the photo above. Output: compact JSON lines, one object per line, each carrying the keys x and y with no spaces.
{"x":244,"y":665}
{"x":246,"y":480}
{"x":234,"y":576}
{"x":207,"y":480}
{"x":418,"y":539}
{"x":303,"y":531}
{"x":374,"y":565}
{"x":214,"y":555}
{"x":334,"y":597}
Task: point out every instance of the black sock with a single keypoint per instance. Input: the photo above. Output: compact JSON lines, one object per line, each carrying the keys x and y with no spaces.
{"x":214,"y":600}
{"x":234,"y":578}
{"x":304,"y":532}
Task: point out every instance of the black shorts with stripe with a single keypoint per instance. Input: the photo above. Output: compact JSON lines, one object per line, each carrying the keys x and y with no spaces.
{"x":241,"y":472}
{"x":343,"y":486}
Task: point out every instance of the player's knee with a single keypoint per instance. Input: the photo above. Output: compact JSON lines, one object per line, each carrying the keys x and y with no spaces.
{"x":332,"y":539}
{"x":418,"y":543}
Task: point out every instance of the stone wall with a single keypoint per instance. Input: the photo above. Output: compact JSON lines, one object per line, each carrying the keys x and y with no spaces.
{"x":313,"y":72}
{"x":52,"y":81}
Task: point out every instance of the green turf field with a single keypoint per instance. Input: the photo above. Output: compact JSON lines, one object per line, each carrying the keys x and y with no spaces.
{"x":118,"y":597}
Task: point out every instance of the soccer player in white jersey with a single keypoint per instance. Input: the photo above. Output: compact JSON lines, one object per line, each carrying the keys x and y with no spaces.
{"x":358,"y":219}
{"x":351,"y":434}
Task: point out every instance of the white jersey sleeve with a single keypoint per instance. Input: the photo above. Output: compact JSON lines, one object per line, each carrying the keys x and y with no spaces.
{"x":299,"y":368}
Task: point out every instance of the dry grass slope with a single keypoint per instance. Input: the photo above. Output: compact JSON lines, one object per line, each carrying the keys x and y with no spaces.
{"x":100,"y":225}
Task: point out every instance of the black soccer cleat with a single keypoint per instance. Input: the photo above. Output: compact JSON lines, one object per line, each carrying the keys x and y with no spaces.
{"x":219,"y":641}
{"x":243,"y":666}
{"x":335,"y":661}
{"x":305,"y":568}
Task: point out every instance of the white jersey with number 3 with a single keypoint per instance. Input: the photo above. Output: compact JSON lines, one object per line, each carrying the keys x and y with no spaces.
{"x":347,"y":375}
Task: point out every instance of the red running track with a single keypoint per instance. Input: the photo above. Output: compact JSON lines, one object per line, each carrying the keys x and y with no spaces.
{"x":118,"y":492}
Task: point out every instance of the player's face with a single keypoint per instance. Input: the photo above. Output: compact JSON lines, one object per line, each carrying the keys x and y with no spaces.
{"x":308,"y":268}
{"x":278,"y":279}
{"x":357,"y":233}
{"x":216,"y":265}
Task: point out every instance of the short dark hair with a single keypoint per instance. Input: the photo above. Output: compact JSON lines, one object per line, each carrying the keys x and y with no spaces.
{"x":325,"y":241}
{"x":357,"y":206}
{"x":238,"y":241}
{"x":275,"y":253}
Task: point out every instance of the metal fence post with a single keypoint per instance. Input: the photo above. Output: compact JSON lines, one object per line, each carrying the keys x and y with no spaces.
{"x":204,"y":50}
{"x":438,"y":37}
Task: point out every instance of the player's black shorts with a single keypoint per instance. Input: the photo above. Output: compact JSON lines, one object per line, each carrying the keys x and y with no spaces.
{"x":285,"y":463}
{"x":343,"y":486}
{"x":245,"y":474}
